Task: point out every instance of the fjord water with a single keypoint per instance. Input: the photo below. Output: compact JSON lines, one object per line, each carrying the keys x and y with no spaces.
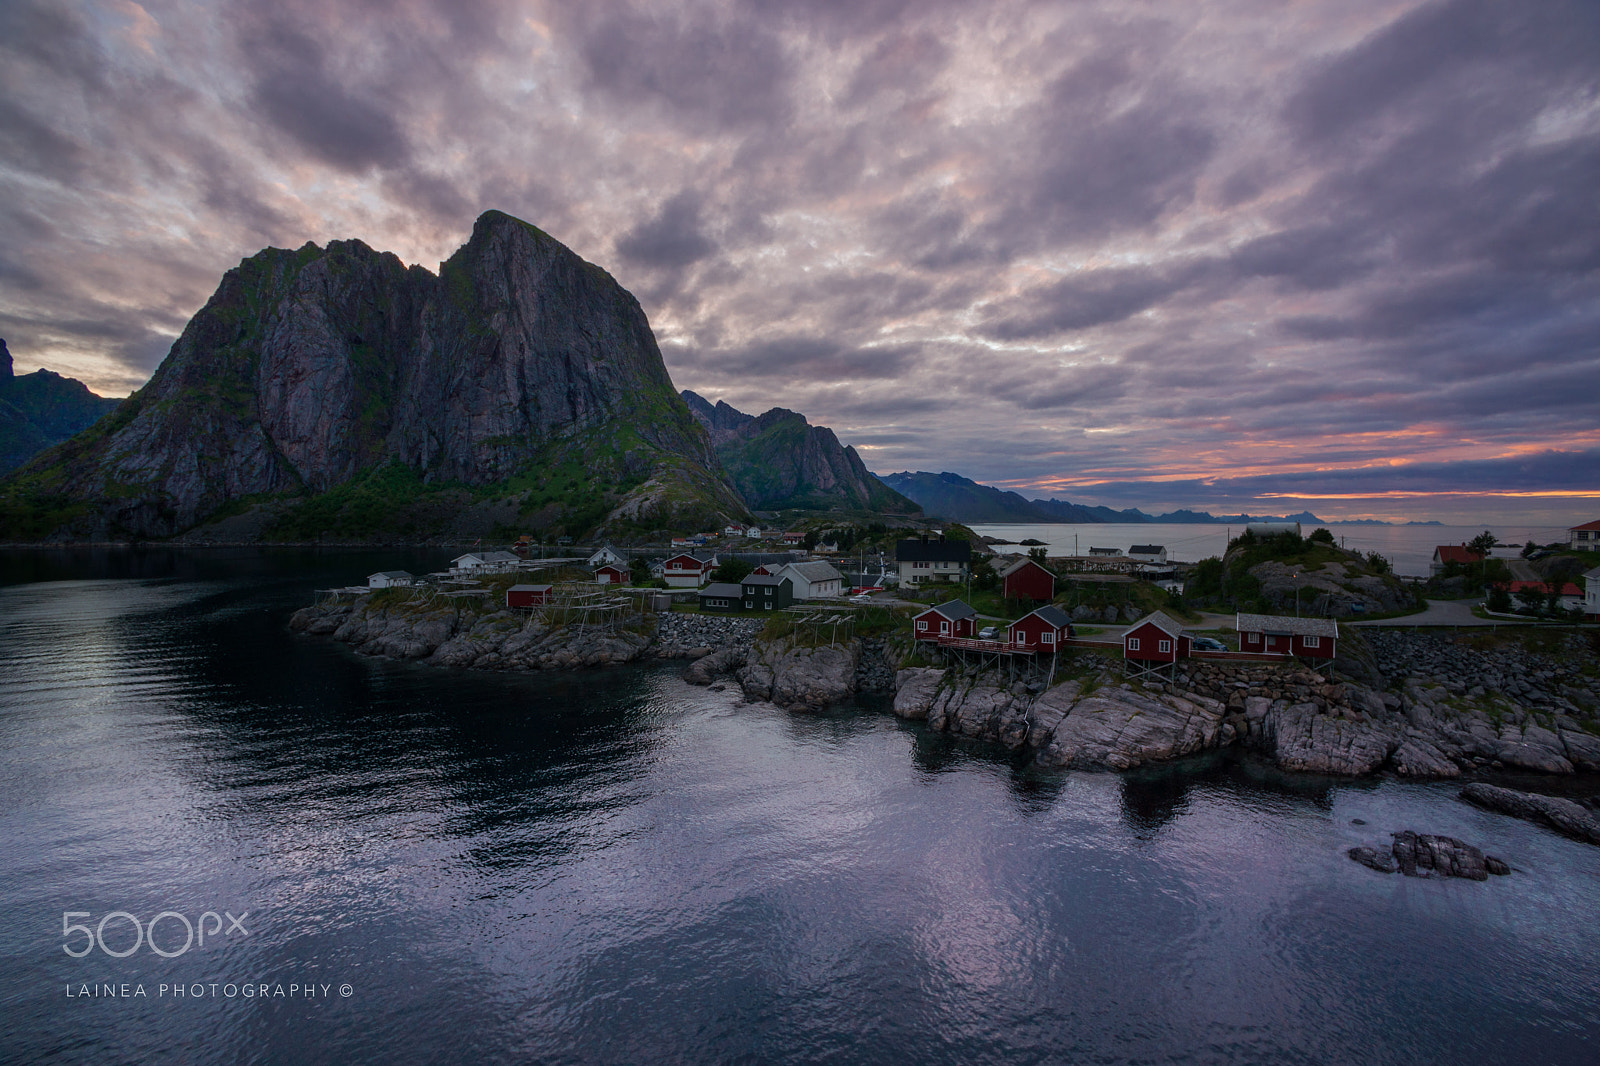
{"x":616,"y":867}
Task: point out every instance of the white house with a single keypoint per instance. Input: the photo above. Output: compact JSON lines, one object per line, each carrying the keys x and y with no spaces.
{"x":1591,"y":595}
{"x":926,"y":560}
{"x":733,"y":529}
{"x":487,"y":561}
{"x":607,"y":556}
{"x":388,"y":579}
{"x":1148,"y":553}
{"x":813,"y":580}
{"x":754,"y":532}
{"x":1586,"y":536}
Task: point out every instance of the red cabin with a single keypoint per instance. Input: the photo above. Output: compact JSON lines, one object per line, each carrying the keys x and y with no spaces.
{"x":1043,"y":630}
{"x":527,"y":595}
{"x":1156,"y":640}
{"x":1025,"y":579}
{"x":611,"y":575}
{"x":1270,"y":634}
{"x":952,"y":619}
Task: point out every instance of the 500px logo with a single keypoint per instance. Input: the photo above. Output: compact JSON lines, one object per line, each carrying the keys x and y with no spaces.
{"x":143,"y":934}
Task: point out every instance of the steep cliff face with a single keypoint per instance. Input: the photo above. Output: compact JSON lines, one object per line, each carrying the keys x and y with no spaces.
{"x":310,"y":370}
{"x":41,"y":409}
{"x":779,"y":460}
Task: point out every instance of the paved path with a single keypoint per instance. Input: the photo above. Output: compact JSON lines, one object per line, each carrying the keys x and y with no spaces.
{"x":1439,"y":613}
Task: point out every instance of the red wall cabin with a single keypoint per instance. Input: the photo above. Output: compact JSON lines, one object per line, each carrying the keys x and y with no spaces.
{"x":952,"y":619}
{"x":1156,"y":639}
{"x":1027,"y":580}
{"x":527,"y":595}
{"x":611,"y":575}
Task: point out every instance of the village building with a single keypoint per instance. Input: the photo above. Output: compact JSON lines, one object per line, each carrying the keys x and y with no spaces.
{"x":1105,"y":551}
{"x":488,"y":562}
{"x":767,"y":592}
{"x":813,"y":580}
{"x":688,"y":570}
{"x":611,"y":575}
{"x":1043,"y":630}
{"x":794,"y":537}
{"x":733,"y":529}
{"x":1025,"y":579}
{"x":1154,"y":554}
{"x":1586,"y":536}
{"x":1272,"y":634}
{"x":927,"y":560}
{"x":754,"y":532}
{"x":527,"y":595}
{"x":952,"y":619}
{"x":389,"y":579}
{"x":608,"y":556}
{"x":1445,"y":554}
{"x":1155,"y":642}
{"x":1591,"y":595}
{"x":721,"y":596}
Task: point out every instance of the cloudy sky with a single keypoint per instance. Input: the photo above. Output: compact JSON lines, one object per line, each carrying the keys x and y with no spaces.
{"x":1246,"y":254}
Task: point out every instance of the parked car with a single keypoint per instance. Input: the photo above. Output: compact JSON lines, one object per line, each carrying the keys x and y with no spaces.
{"x":1209,"y":644}
{"x":989,"y":633}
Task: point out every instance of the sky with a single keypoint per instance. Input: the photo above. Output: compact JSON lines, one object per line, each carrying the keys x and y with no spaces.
{"x":1253,"y":255}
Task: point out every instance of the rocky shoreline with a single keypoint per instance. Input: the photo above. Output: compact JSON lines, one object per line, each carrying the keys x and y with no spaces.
{"x":1423,"y":708}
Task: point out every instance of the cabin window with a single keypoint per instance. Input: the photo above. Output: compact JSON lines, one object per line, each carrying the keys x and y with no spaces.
{"x":944,"y":627}
{"x":1253,"y":638}
{"x":1047,"y":638}
{"x":1166,"y":645}
{"x":1311,"y":642}
{"x":922,"y":625}
{"x":1133,"y":643}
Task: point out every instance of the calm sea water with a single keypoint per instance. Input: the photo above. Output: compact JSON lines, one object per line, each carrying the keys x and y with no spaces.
{"x":1409,"y":548}
{"x":618,"y":868}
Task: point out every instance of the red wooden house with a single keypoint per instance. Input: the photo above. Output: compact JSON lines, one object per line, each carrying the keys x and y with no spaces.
{"x":1271,"y":634}
{"x":1043,"y":630}
{"x":1025,"y":579}
{"x":527,"y":595}
{"x":1154,"y":642}
{"x":688,"y":569}
{"x":611,"y":575}
{"x":952,"y":619}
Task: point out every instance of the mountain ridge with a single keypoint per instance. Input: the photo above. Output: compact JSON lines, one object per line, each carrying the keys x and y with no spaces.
{"x":41,"y":409}
{"x":519,"y":385}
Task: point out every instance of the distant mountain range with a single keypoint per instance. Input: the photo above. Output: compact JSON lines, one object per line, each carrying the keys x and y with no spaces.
{"x":961,"y":499}
{"x":41,"y":409}
{"x":779,"y":461}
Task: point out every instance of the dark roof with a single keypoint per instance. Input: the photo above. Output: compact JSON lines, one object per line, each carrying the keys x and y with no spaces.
{"x":1279,"y":624}
{"x":955,"y":610}
{"x":1147,"y":549}
{"x":530,"y":588}
{"x":725,"y":589}
{"x":1163,"y":622}
{"x":1051,"y":615}
{"x":765,"y":579}
{"x":933,"y":551}
{"x":389,"y":574}
{"x":1020,"y":563}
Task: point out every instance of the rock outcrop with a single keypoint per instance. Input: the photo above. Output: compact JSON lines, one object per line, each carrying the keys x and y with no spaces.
{"x":1563,"y":815}
{"x":779,"y":460}
{"x":800,"y":678}
{"x":310,"y":369}
{"x":1425,"y":855}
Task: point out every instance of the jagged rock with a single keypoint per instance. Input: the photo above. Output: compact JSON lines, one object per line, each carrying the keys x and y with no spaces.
{"x":914,"y":691}
{"x":1416,"y":757}
{"x":1121,"y":729}
{"x":1425,"y":855}
{"x":1300,"y":738}
{"x":708,"y":667}
{"x":1564,"y":816}
{"x":803,"y":677}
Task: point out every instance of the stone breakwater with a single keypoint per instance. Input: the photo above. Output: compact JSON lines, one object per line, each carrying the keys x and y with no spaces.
{"x":467,"y":637}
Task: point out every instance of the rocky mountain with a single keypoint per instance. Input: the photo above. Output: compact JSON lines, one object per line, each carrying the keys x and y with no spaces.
{"x":778,"y":460}
{"x":41,"y":409}
{"x":338,"y":391}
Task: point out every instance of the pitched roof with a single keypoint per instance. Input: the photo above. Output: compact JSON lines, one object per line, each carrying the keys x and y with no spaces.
{"x":932,"y":551}
{"x":1277,"y":623}
{"x":1592,"y":573}
{"x":954,"y":610}
{"x":765,"y":579}
{"x":1567,"y":589}
{"x":817,"y":571}
{"x":1586,"y":526}
{"x":1147,"y":549}
{"x":1456,"y":553}
{"x":391,"y":574}
{"x":1050,"y":615}
{"x":1162,"y":621}
{"x":1019,"y":564}
{"x":530,"y":588}
{"x":722,"y":588}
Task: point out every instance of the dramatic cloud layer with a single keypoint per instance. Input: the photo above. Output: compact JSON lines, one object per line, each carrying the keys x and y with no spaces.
{"x":1343,"y":253}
